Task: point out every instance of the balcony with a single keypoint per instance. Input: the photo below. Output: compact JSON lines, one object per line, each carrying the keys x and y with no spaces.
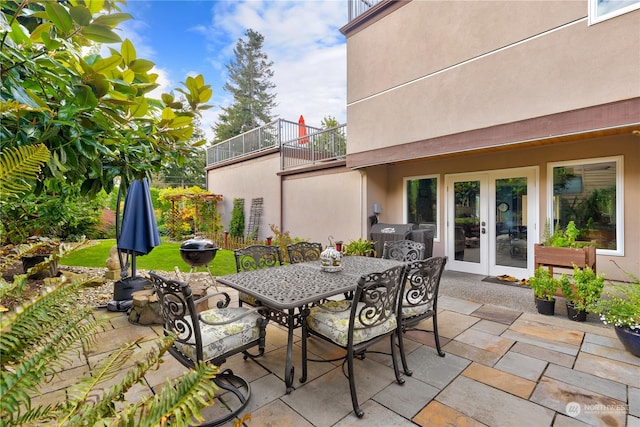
{"x":299,"y":145}
{"x":358,"y":7}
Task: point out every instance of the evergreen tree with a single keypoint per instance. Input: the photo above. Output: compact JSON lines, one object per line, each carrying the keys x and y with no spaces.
{"x":249,"y":83}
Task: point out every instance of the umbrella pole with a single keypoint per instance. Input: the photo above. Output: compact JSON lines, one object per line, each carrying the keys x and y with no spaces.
{"x":133,"y":265}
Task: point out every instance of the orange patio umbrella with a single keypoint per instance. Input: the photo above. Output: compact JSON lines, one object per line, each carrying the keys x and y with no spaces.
{"x":302,"y":131}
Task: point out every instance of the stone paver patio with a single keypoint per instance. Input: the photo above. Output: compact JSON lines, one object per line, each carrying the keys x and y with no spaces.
{"x":505,"y":365}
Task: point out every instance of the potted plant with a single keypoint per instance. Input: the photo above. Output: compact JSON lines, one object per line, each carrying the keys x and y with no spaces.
{"x":561,"y":249}
{"x":584,"y":291}
{"x":620,"y":306}
{"x":544,"y":287}
{"x":360,"y":247}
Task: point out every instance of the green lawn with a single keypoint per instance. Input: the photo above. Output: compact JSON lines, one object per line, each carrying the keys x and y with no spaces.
{"x":163,"y":258}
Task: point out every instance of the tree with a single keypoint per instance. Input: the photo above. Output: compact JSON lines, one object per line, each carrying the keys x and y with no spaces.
{"x":92,"y":112}
{"x":187,"y":170}
{"x":249,"y":83}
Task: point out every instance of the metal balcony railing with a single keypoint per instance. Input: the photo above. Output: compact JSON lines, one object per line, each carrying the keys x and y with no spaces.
{"x":299,"y":145}
{"x":358,"y":7}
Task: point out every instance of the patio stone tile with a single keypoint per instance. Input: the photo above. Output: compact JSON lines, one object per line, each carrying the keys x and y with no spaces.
{"x":633,"y":421}
{"x":587,"y":381}
{"x":65,"y":379}
{"x":557,"y":395}
{"x":490,"y":327}
{"x":326,"y":400}
{"x":549,"y":344}
{"x":470,"y":352}
{"x":457,"y":305}
{"x":606,"y":341}
{"x":620,"y":355}
{"x":432,"y":369}
{"x":375,"y":415}
{"x":50,"y":398}
{"x":264,"y":391}
{"x":435,"y":414}
{"x":135,"y":394}
{"x":139,"y":352}
{"x":521,"y":365}
{"x":634,"y":401}
{"x":500,"y":380}
{"x":276,"y":413}
{"x":451,"y":324}
{"x":422,"y":337}
{"x":564,"y":323}
{"x":485,"y":341}
{"x":548,"y":332}
{"x":169,"y":369}
{"x":565,"y":421}
{"x":610,"y":369}
{"x":120,"y":320}
{"x":116,"y":338}
{"x":491,"y":406}
{"x":406,"y":399}
{"x":542,"y":353}
{"x":497,"y":314}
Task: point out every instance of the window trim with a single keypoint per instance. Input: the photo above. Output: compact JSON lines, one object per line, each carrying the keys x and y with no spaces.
{"x":405,"y":213}
{"x":619,"y":160}
{"x":593,"y":8}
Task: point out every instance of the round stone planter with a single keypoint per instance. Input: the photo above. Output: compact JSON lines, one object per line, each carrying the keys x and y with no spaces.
{"x":546,"y":307}
{"x":630,"y":338}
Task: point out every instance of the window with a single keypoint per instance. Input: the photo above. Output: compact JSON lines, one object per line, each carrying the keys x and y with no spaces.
{"x":600,"y":10}
{"x":589,"y":192}
{"x":422,"y":201}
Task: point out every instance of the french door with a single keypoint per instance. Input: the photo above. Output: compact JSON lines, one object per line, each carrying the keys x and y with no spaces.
{"x":489,"y":218}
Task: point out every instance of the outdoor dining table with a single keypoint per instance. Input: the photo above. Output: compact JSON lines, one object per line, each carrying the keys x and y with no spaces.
{"x":288,"y":289}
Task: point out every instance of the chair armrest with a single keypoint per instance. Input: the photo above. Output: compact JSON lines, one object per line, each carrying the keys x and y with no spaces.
{"x":235,"y":319}
{"x":219,"y":304}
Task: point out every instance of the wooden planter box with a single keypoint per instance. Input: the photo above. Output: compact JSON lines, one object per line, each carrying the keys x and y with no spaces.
{"x":564,"y":257}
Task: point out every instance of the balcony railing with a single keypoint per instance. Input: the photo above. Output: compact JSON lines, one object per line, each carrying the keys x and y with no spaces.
{"x":299,"y":145}
{"x":358,"y":7}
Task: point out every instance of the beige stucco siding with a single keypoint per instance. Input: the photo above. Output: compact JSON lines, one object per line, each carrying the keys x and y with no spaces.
{"x":319,"y":205}
{"x":574,"y":67}
{"x":251,"y":179}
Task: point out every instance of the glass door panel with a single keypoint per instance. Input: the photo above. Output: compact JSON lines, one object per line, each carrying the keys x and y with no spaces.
{"x":511,"y":222}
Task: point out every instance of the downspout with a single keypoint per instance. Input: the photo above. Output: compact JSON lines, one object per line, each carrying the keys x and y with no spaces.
{"x":363,"y":232}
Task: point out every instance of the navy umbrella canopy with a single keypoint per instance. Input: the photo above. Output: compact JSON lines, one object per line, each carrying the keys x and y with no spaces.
{"x":139,"y":230}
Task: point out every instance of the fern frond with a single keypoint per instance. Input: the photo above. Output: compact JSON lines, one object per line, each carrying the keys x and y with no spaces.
{"x":82,"y":413}
{"x":19,"y":165}
{"x":179,"y":402}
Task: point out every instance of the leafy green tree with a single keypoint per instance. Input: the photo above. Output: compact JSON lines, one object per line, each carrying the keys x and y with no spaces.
{"x":249,"y":83}
{"x":236,"y":225}
{"x":93,"y":113}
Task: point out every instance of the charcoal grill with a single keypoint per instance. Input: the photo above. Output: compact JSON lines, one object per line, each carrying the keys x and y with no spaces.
{"x":198,"y":253}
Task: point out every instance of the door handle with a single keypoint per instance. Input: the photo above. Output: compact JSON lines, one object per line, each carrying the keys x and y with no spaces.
{"x":484,"y":230}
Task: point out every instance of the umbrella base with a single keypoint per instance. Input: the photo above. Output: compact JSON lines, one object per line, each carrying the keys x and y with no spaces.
{"x":122,"y":289}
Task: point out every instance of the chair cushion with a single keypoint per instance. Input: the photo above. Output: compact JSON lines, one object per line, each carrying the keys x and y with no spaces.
{"x":219,"y":339}
{"x":331,"y":320}
{"x":247,"y":299}
{"x":415,"y":310}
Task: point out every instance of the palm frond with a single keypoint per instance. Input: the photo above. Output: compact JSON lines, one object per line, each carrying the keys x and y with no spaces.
{"x":19,"y":165}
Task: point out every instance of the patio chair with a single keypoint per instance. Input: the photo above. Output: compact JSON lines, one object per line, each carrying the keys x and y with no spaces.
{"x":211,"y":336}
{"x":255,"y":257}
{"x":303,"y":252}
{"x":419,"y":301}
{"x":403,"y":250}
{"x":356,"y":324}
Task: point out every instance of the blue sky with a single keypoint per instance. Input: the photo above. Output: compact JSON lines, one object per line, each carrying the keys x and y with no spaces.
{"x":302,"y":38}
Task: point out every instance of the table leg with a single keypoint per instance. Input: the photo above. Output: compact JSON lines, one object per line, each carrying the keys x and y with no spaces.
{"x":288,"y":368}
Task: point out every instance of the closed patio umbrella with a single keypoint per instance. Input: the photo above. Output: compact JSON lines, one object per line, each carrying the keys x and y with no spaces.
{"x":137,"y":235}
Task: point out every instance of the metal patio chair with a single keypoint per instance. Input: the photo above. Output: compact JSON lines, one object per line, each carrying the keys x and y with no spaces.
{"x":419,"y":301}
{"x":356,"y":324}
{"x":211,"y":336}
{"x":255,"y":257}
{"x":403,"y":250}
{"x":303,"y":252}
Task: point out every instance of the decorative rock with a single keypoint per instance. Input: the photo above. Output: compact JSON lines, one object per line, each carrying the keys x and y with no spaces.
{"x":146,"y":308}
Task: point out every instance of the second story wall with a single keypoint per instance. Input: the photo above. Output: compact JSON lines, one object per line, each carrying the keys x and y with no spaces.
{"x":434,"y":68}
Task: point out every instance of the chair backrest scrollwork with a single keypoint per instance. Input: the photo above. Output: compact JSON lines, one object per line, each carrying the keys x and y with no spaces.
{"x":403,"y":250}
{"x":423,"y":281}
{"x":304,"y":251}
{"x":256,"y":257}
